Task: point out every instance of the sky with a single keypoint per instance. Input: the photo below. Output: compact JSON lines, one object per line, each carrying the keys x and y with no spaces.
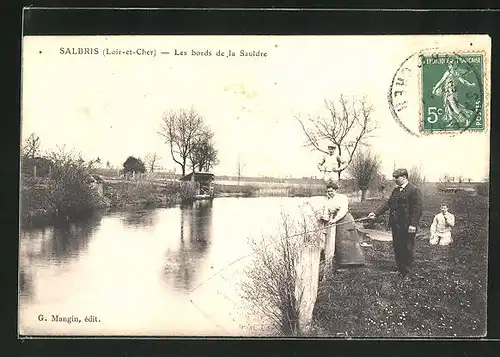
{"x":111,"y":106}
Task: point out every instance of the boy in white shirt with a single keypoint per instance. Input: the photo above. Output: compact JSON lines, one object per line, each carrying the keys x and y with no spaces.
{"x":331,"y":164}
{"x":441,"y":227}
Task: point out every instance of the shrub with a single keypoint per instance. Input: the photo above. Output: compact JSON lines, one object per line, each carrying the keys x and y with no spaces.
{"x":483,"y":189}
{"x":67,"y":193}
{"x":35,"y":204}
{"x":148,"y":193}
{"x":271,"y":283}
{"x":125,"y":193}
{"x":188,"y":191}
{"x":307,"y":190}
{"x":71,"y":187}
{"x":42,"y":164}
{"x":244,"y":190}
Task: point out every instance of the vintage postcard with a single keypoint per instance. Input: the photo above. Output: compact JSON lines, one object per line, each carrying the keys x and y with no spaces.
{"x":320,"y":186}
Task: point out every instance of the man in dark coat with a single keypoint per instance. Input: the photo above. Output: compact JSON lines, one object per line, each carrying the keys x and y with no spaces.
{"x":405,"y":210}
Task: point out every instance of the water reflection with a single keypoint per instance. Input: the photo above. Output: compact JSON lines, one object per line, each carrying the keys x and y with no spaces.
{"x":25,"y":282}
{"x":139,"y":219}
{"x":53,"y":245}
{"x":70,"y":239}
{"x":140,"y":265}
{"x":195,"y":237}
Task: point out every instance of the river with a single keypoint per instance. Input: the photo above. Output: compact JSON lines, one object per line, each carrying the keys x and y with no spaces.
{"x":147,"y":273}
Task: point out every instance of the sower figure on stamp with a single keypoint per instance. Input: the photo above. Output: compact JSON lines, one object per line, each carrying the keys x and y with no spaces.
{"x":405,"y":210}
{"x":447,"y":88}
{"x":331,"y":164}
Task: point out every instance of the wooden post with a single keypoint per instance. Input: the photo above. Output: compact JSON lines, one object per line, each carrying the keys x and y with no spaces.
{"x":329,"y":248}
{"x":306,"y":285}
{"x":34,"y":171}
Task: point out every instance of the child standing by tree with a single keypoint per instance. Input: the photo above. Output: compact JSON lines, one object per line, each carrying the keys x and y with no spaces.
{"x":331,"y":164}
{"x":441,"y":227}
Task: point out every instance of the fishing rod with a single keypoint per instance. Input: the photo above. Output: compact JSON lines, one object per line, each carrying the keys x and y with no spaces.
{"x":267,"y":245}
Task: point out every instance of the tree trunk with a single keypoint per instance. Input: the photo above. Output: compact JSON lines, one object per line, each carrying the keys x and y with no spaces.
{"x":363,"y":195}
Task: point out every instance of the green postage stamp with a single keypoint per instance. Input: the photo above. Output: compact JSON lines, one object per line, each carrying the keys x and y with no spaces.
{"x":452,"y":92}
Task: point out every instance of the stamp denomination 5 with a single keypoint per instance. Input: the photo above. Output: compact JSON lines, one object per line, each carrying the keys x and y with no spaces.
{"x":452,"y":92}
{"x":437,"y":91}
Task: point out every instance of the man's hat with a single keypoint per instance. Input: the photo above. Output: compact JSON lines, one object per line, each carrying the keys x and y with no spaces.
{"x":332,"y":146}
{"x":400,"y":172}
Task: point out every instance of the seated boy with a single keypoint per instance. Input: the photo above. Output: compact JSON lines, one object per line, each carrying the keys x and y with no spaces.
{"x":441,"y":227}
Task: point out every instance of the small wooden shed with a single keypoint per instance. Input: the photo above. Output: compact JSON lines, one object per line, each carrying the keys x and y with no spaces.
{"x":204,"y":181}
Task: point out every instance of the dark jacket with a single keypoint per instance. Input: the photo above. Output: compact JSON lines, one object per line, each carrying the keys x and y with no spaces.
{"x":405,"y":207}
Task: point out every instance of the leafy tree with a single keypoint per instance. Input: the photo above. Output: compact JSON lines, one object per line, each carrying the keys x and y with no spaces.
{"x":133,"y":164}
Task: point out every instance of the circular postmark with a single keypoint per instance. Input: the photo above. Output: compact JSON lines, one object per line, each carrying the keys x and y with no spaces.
{"x":435,"y":91}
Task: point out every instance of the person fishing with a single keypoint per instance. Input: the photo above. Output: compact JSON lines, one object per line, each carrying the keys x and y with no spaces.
{"x":342,"y":242}
{"x":405,"y":212}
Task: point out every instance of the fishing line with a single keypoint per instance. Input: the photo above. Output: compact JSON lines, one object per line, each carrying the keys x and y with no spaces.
{"x":267,"y":245}
{"x":248,"y":255}
{"x":205,"y":315}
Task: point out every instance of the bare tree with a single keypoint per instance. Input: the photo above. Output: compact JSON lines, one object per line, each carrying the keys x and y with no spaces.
{"x":445,"y":178}
{"x":364,"y":169}
{"x":204,"y":155}
{"x":151,"y":160}
{"x":31,"y":146}
{"x":415,"y":175}
{"x":348,"y":126}
{"x":239,"y":168}
{"x":181,"y":129}
{"x":379,"y":184}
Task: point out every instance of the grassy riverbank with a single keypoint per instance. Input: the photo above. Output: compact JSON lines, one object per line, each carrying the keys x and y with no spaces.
{"x":44,"y":201}
{"x":143,"y":194}
{"x":269,"y":190}
{"x":449,"y":299}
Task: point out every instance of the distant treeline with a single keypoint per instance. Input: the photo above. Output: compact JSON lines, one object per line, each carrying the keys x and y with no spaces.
{"x":170,"y":175}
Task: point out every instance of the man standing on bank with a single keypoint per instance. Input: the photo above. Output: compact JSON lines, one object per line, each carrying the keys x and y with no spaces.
{"x":405,"y":210}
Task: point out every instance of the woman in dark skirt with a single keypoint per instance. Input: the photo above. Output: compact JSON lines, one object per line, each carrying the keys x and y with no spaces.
{"x":342,"y":242}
